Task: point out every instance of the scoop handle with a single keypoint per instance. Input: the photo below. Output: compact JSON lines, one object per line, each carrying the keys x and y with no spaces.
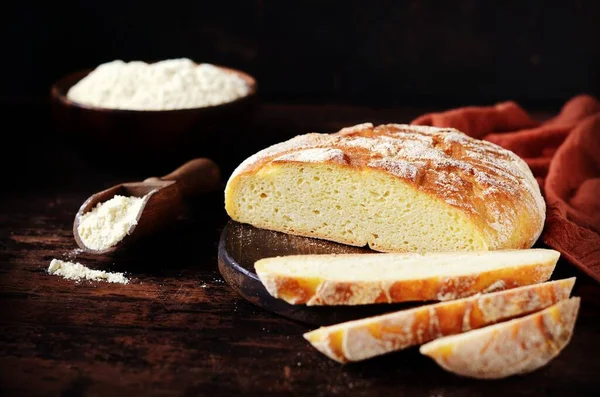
{"x":195,"y":177}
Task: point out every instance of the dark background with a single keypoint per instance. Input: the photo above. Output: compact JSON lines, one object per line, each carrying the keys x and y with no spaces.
{"x":319,"y":65}
{"x":406,"y":57}
{"x":373,"y":53}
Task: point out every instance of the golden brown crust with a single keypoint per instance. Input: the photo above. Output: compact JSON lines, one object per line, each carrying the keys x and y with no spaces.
{"x":363,"y":339}
{"x":509,"y":348}
{"x":491,"y":185}
{"x":316,"y":292}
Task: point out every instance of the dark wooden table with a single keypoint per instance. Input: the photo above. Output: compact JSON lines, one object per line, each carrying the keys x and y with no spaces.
{"x":178,"y":329}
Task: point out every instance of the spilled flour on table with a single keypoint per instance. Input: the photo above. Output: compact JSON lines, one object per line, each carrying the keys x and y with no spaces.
{"x":78,"y":272}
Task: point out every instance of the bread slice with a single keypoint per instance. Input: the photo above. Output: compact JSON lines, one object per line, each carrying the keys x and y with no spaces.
{"x":514,"y":347}
{"x":355,"y":279}
{"x":374,"y":336}
{"x":394,"y":187}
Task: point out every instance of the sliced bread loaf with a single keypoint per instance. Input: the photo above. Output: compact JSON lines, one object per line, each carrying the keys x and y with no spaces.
{"x":370,"y":337}
{"x":355,"y":279}
{"x":509,"y":348}
{"x":394,"y":187}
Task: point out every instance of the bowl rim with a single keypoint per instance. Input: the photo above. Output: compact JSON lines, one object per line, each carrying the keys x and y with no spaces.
{"x":61,"y":87}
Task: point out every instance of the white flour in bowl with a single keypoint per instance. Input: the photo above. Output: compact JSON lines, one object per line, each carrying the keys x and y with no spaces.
{"x":165,"y":85}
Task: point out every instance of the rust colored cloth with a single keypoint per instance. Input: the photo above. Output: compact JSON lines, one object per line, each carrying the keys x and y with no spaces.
{"x":563,"y":154}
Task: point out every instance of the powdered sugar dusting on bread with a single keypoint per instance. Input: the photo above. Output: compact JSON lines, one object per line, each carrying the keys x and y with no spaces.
{"x":300,"y":142}
{"x":517,"y":346}
{"x":477,"y":176}
{"x":384,"y":146}
{"x":400,"y":168}
{"x":317,"y":155}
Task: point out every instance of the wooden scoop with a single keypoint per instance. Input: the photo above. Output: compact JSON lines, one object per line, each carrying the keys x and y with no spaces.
{"x":163,"y":199}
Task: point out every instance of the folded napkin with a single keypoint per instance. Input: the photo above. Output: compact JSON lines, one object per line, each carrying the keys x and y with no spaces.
{"x":563,"y":154}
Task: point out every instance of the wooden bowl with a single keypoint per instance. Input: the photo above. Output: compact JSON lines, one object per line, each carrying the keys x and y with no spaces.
{"x":150,"y":140}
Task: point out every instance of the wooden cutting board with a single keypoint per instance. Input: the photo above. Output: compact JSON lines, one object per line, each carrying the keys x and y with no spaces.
{"x":241,"y":245}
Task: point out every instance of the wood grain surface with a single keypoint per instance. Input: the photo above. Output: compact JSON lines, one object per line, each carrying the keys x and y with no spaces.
{"x":178,"y":329}
{"x":241,"y":245}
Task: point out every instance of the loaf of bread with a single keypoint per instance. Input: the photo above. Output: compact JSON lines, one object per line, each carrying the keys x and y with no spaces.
{"x":395,"y":188}
{"x":374,"y":336}
{"x":355,"y":279}
{"x":509,"y":348}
